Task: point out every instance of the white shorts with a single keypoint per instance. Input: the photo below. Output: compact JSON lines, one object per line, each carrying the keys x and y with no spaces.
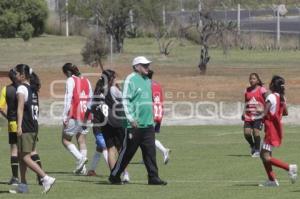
{"x":73,"y":128}
{"x":267,"y":147}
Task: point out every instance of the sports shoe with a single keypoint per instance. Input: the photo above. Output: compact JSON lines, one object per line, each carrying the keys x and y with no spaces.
{"x":48,"y":182}
{"x":269,"y":183}
{"x":256,"y":154}
{"x":156,"y":181}
{"x":167,"y":156}
{"x":115,"y":180}
{"x":13,"y":181}
{"x":80,"y":165}
{"x":91,"y":173}
{"x":126,"y":178}
{"x":293,"y":169}
{"x":21,"y":188}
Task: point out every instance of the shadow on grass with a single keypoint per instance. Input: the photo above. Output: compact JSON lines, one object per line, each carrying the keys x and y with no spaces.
{"x":4,"y":192}
{"x":60,"y":172}
{"x":4,"y":183}
{"x":246,"y":185}
{"x":125,"y":184}
{"x":238,"y":156}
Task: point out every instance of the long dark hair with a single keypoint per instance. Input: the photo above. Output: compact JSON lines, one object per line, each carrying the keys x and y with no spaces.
{"x":70,"y":69}
{"x":260,"y":83}
{"x":277,"y":85}
{"x":12,"y":76}
{"x":35,"y":82}
{"x":102,"y":84}
{"x":23,"y":69}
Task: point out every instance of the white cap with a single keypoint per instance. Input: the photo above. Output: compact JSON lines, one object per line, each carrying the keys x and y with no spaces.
{"x":140,"y":60}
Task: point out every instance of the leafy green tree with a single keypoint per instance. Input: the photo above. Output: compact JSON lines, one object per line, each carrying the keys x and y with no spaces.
{"x":24,"y":18}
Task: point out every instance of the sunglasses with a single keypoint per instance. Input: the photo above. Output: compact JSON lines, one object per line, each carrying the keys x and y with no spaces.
{"x":145,"y":65}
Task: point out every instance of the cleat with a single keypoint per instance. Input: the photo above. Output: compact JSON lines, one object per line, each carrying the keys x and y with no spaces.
{"x":21,"y":188}
{"x":80,"y":165}
{"x":167,"y":156}
{"x":293,"y":170}
{"x":156,"y":181}
{"x":13,"y":181}
{"x":256,"y":154}
{"x":269,"y":183}
{"x":48,"y":183}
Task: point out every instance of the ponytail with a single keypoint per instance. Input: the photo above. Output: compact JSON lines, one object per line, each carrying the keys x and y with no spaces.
{"x":35,"y":82}
{"x":70,"y":69}
{"x":102,"y":84}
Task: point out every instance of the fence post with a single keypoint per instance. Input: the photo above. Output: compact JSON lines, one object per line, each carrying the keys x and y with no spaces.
{"x":278,"y":29}
{"x":239,"y":19}
{"x":67,"y":19}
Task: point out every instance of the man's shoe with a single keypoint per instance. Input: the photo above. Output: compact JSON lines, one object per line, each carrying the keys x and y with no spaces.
{"x":156,"y":181}
{"x":115,"y":180}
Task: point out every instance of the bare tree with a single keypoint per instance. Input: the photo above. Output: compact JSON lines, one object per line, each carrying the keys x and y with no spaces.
{"x":207,"y":29}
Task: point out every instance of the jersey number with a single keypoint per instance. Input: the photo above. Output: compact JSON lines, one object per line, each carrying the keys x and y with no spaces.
{"x":35,"y":112}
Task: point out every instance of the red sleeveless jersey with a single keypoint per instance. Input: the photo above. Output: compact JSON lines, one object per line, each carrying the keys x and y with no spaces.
{"x":80,"y":98}
{"x":157,"y":97}
{"x":254,"y":99}
{"x":273,"y":124}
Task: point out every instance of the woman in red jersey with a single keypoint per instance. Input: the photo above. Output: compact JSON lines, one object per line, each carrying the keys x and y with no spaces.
{"x":255,"y":96}
{"x":274,"y":110}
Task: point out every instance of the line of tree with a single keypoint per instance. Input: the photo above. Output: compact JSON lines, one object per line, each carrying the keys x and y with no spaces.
{"x":25,"y":19}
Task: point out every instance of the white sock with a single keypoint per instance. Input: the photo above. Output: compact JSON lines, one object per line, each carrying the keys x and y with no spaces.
{"x":83,"y":152}
{"x":160,"y":146}
{"x":74,"y":151}
{"x":95,"y":161}
{"x":46,"y":177}
{"x":105,"y":155}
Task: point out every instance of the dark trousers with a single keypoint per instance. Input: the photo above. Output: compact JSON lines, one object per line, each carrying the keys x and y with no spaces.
{"x":134,"y":138}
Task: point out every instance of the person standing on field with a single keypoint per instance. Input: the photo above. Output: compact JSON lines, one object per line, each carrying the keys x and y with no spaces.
{"x":139,"y":132}
{"x":78,"y":93}
{"x":255,"y":96}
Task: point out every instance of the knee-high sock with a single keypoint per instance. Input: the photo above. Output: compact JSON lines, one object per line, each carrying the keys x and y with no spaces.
{"x":74,"y":151}
{"x":14,"y":163}
{"x":249,"y":140}
{"x":159,"y":145}
{"x":95,"y":160}
{"x":257,"y":142}
{"x":83,"y":152}
{"x":105,"y":155}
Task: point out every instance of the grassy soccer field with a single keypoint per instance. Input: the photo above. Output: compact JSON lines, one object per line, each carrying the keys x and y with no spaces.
{"x":206,"y":162}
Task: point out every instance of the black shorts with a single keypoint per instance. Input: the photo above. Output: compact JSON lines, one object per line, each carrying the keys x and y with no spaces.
{"x":157,"y":127}
{"x":113,"y":136}
{"x":256,"y":124}
{"x":12,"y":138}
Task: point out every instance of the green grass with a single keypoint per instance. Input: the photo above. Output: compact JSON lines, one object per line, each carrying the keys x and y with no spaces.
{"x":206,"y":162}
{"x":53,"y":51}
